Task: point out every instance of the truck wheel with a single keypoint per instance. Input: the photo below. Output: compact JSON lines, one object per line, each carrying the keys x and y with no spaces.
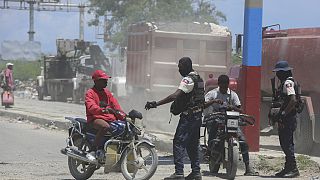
{"x":303,"y":134}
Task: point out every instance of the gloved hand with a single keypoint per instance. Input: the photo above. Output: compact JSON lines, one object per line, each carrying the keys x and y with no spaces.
{"x":149,"y":105}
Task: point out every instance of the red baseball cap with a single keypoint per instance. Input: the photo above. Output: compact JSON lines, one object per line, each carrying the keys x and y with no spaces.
{"x":99,"y":74}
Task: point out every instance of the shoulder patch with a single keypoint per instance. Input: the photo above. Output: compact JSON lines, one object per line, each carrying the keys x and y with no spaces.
{"x":289,"y":85}
{"x":185,"y":81}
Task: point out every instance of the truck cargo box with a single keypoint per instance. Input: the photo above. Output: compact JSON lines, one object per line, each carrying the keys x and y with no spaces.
{"x":154,"y":50}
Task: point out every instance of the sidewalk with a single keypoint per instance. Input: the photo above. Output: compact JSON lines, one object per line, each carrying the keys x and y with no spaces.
{"x":52,"y":114}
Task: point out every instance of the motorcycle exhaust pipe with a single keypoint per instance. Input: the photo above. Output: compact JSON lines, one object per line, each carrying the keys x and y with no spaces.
{"x":70,"y":153}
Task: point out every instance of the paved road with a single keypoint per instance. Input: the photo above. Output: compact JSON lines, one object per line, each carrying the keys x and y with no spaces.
{"x":29,"y":151}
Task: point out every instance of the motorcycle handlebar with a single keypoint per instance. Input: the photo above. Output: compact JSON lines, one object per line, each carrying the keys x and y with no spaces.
{"x":213,"y":117}
{"x":245,"y":117}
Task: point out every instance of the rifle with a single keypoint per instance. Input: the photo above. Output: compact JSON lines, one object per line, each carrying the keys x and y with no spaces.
{"x":274,"y":91}
{"x":275,"y":105}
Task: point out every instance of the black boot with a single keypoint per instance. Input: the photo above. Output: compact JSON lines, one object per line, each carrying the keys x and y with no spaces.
{"x":250,"y":171}
{"x":292,"y":171}
{"x":282,"y":172}
{"x":194,"y":176}
{"x":175,"y":176}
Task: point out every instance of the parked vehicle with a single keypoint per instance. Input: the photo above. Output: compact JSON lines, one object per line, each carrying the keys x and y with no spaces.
{"x":298,"y":47}
{"x":68,"y":74}
{"x":153,"y":52}
{"x":224,"y":147}
{"x":123,"y":150}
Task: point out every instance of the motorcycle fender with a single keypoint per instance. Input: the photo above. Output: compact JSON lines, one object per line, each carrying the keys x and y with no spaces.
{"x":139,"y":142}
{"x":145,"y":141}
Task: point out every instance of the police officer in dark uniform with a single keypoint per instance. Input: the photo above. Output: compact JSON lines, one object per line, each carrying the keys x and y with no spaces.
{"x":188,"y":102}
{"x":287,"y":120}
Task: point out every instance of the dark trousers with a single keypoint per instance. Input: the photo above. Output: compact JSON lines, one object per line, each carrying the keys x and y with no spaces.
{"x":212,"y":131}
{"x":187,"y":138}
{"x":285,"y":131}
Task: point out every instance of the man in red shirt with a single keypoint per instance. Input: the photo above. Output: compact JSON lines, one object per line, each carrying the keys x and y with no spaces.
{"x":101,"y":108}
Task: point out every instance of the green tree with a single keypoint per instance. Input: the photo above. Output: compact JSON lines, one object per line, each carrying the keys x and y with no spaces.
{"x":125,"y":12}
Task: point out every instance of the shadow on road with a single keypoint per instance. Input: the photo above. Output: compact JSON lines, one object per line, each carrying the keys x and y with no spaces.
{"x":314,"y":152}
{"x":224,"y":176}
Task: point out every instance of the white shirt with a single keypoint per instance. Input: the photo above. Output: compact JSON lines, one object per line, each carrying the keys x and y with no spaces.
{"x":187,"y":84}
{"x":288,"y":87}
{"x":230,"y":98}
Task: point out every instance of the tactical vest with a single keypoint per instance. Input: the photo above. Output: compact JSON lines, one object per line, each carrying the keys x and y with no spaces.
{"x":285,"y":98}
{"x":190,"y":100}
{"x":197,"y":93}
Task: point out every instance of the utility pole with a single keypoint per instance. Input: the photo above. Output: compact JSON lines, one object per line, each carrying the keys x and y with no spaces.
{"x":251,"y":68}
{"x":48,"y":5}
{"x":31,"y":20}
{"x":81,"y":22}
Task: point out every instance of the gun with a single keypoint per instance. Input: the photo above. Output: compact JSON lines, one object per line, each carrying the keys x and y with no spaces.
{"x":273,"y":85}
{"x":275,"y":105}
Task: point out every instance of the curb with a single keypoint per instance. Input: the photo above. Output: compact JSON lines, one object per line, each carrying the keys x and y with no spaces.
{"x":161,"y":145}
{"x":37,"y":120}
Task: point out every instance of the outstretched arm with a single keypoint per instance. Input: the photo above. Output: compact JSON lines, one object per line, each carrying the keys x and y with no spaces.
{"x":170,"y":98}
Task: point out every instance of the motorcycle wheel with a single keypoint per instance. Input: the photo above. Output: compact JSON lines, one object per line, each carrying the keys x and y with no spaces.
{"x":232,"y":164}
{"x":141,"y":168}
{"x":214,"y":162}
{"x":80,"y":170}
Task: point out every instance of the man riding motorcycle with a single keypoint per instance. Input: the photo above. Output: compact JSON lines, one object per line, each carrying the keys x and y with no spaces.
{"x":101,"y":109}
{"x":231,"y":102}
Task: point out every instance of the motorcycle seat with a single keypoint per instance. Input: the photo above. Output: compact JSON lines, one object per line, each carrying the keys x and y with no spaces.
{"x":81,"y":120}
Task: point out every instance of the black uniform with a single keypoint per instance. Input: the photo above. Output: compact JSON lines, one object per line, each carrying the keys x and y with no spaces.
{"x":288,"y":123}
{"x":188,"y":130}
{"x":286,"y":116}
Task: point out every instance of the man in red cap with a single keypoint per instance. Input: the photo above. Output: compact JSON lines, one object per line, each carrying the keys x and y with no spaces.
{"x":101,"y":108}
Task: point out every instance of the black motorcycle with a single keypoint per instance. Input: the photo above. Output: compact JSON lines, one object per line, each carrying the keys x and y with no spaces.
{"x":224,"y":146}
{"x":122,"y":150}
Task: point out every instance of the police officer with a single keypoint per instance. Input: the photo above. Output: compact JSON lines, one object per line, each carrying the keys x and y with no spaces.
{"x":287,"y":118}
{"x":229,"y":100}
{"x":190,"y":96}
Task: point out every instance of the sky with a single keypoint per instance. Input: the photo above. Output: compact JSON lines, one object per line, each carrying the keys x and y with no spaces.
{"x":14,"y":24}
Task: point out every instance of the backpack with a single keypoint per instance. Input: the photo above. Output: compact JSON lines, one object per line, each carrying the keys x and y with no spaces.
{"x":180,"y":104}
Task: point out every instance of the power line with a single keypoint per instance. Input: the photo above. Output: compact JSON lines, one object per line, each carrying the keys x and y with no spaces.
{"x":46,"y":5}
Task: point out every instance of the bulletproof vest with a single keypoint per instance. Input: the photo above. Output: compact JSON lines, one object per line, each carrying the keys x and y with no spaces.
{"x":189,"y":100}
{"x":285,"y":98}
{"x":197,"y":93}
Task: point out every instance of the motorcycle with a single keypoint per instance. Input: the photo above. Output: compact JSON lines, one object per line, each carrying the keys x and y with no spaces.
{"x":224,"y":148}
{"x":122,"y":150}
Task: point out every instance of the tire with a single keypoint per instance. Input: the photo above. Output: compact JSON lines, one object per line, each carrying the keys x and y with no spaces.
{"x":302,"y":136}
{"x":86,"y":170}
{"x":232,"y":164}
{"x":130,"y":170}
{"x":214,"y":162}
